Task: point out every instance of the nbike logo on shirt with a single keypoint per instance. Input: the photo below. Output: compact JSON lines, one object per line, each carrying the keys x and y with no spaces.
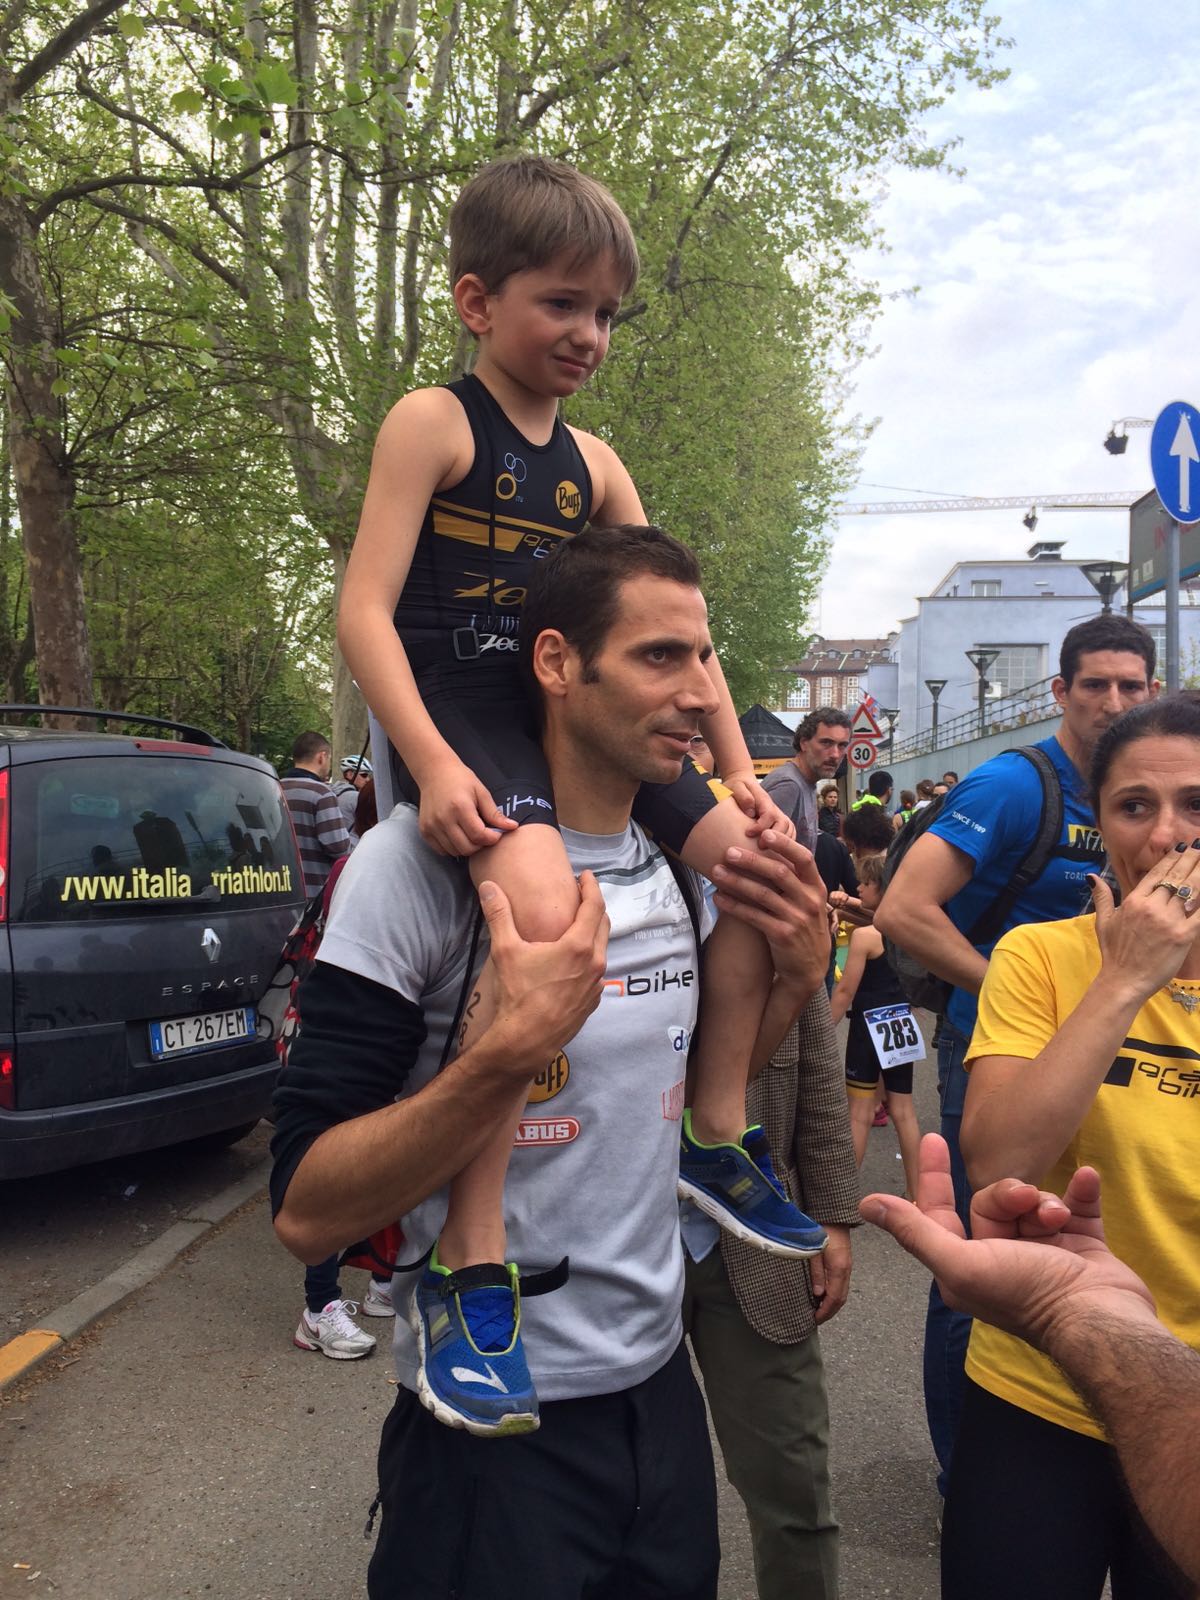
{"x":551,"y":1080}
{"x":568,"y":499}
{"x":657,"y":983}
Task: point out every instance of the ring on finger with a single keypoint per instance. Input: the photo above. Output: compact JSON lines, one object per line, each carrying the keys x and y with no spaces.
{"x":1184,"y":892}
{"x":1171,"y":888}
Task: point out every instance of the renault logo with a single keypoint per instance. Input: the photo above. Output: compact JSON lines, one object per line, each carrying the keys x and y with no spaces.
{"x":210,"y":944}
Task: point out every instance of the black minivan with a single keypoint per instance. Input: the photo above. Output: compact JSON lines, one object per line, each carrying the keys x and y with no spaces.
{"x":147,"y":885}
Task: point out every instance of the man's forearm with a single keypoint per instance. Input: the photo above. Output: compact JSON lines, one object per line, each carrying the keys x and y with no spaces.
{"x":365,"y":1173}
{"x":923,"y":929}
{"x":1143,"y":1385}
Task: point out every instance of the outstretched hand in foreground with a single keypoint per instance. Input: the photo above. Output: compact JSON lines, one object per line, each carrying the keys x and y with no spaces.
{"x":1034,"y":1262}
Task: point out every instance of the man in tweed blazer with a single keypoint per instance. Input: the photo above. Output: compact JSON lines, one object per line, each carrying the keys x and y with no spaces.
{"x":752,"y":1317}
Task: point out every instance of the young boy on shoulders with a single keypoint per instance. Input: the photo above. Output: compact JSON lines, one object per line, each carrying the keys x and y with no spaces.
{"x":470,"y":485}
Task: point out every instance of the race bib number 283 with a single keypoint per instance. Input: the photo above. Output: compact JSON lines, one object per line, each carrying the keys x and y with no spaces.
{"x":895,"y":1035}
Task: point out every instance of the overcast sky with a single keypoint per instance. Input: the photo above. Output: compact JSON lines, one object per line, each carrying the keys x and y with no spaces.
{"x":1058,"y":289}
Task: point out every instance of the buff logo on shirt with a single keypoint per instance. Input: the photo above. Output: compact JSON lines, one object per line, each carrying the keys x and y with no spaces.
{"x":1153,"y":1064}
{"x":551,"y":1080}
{"x":568,"y":499}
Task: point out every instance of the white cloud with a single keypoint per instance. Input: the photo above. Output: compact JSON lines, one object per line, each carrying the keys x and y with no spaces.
{"x":1056,"y":294}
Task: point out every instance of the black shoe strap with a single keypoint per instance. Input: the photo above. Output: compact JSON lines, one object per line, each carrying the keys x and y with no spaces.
{"x":494,"y":1275}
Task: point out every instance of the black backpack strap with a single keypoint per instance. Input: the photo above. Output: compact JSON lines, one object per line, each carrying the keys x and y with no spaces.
{"x":687,"y":889}
{"x":986,"y":929}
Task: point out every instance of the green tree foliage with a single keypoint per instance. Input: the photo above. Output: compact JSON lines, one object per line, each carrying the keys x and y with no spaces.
{"x":242,"y":204}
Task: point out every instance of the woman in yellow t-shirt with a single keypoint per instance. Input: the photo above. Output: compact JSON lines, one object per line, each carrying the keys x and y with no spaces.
{"x":1087,"y":1052}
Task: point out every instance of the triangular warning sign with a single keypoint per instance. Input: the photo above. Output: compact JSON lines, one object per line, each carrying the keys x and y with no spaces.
{"x":864,"y":725}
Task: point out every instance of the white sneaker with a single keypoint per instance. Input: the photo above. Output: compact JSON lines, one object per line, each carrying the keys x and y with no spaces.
{"x":378,"y":1300}
{"x":333,"y":1333}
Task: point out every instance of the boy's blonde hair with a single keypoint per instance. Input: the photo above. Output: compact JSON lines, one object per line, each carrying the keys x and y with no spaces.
{"x":870,"y":870}
{"x":519,"y":213}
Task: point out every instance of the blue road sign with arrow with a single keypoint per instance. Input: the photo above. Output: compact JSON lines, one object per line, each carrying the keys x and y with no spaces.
{"x":1175,"y":460}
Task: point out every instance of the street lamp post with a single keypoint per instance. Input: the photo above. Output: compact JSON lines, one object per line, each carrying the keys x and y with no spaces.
{"x":1106,"y":577}
{"x":981,"y":660}
{"x":935,"y":687}
{"x":891,"y":713}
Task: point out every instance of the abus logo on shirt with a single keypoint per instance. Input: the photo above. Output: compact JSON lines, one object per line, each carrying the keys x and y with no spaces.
{"x":545,"y":1130}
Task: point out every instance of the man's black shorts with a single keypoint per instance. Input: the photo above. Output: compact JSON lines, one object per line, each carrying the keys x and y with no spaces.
{"x":614,"y":1498}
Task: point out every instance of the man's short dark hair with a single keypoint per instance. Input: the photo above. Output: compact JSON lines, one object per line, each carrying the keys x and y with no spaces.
{"x":1108,"y":631}
{"x":831,"y":716}
{"x":951,"y":774}
{"x":577,"y":588}
{"x":307,"y":746}
{"x":879,"y":784}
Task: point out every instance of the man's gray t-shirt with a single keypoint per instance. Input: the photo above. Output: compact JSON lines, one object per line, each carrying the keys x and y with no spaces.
{"x":796,"y":798}
{"x":594,"y":1168}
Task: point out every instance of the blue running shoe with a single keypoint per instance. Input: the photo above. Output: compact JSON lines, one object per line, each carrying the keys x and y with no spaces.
{"x":735,"y":1185}
{"x":472,"y":1371}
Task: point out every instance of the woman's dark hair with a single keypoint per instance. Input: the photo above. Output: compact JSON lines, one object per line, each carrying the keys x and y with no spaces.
{"x":925,"y":788}
{"x":907,"y":799}
{"x":868,"y":828}
{"x":366,"y":811}
{"x":1171,"y":716}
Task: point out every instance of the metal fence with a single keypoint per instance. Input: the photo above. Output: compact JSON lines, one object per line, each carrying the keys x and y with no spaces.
{"x":1033,"y":704}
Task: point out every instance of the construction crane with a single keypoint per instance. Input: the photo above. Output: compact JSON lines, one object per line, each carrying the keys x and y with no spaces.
{"x":1099,"y":500}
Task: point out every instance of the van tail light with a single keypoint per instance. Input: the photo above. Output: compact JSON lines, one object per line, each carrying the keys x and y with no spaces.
{"x":4,"y":845}
{"x":8,"y":1082}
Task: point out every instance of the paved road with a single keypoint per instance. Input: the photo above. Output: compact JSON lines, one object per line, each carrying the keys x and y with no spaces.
{"x":184,"y":1448}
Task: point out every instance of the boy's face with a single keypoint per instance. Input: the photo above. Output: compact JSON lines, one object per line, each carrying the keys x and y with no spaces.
{"x":548,"y":328}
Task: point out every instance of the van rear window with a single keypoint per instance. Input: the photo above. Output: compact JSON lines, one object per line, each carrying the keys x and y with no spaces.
{"x":104,"y":837}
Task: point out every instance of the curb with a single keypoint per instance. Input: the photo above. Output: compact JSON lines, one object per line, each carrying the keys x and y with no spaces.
{"x":27,"y":1350}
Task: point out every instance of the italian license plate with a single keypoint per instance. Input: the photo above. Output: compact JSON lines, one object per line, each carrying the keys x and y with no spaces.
{"x":209,"y":1031}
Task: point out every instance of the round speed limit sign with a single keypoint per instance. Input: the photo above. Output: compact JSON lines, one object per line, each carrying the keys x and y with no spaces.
{"x":861,"y":753}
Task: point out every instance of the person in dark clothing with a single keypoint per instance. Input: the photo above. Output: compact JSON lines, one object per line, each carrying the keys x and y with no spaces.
{"x":829,"y":816}
{"x":869,"y":984}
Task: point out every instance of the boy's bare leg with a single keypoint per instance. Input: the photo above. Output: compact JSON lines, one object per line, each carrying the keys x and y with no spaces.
{"x":737,"y":980}
{"x":532,"y":868}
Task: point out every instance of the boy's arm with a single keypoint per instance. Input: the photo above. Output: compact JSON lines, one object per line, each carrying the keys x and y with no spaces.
{"x":424,"y":445}
{"x":846,"y":987}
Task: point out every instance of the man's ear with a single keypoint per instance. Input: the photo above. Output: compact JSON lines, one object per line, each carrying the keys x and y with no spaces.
{"x":553,"y":663}
{"x":471,"y":297}
{"x":1058,"y":688}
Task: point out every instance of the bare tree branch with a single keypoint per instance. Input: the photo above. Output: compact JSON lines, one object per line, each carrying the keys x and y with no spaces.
{"x":56,"y":50}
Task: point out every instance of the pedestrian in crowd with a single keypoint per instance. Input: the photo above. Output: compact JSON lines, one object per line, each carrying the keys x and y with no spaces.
{"x":925,"y":793}
{"x":867,"y":983}
{"x":904,"y":810}
{"x":321,"y":833}
{"x":540,"y":257}
{"x":867,"y":831}
{"x":879,"y":791}
{"x":372,"y":1125}
{"x":949,"y":779}
{"x":1085,"y":1045}
{"x":327,"y":1322}
{"x":820,"y":741}
{"x":753,"y":1319}
{"x":356,"y":771}
{"x":829,"y":816}
{"x":1039,"y":1267}
{"x":965,"y":865}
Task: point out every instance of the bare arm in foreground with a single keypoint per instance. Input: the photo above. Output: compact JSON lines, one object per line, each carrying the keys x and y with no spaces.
{"x":1038,"y":1267}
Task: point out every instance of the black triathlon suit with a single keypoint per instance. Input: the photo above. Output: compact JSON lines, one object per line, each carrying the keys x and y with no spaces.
{"x":459,"y":617}
{"x":878,"y":986}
